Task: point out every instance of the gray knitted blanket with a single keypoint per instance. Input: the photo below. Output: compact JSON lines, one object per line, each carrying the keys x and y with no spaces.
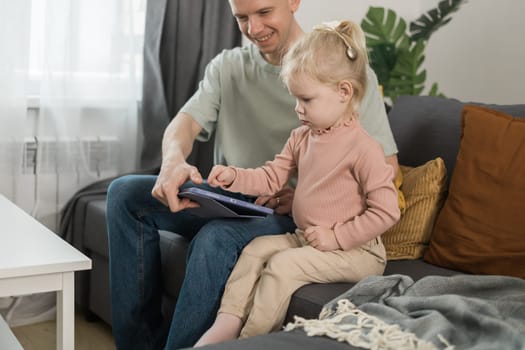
{"x":394,"y":312}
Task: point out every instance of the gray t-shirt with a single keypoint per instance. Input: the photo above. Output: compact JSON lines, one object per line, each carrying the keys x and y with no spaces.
{"x":243,"y":100}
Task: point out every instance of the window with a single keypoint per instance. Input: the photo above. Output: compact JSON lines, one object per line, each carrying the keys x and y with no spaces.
{"x":93,"y":45}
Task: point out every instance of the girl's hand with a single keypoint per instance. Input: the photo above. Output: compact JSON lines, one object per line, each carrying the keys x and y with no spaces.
{"x":221,"y":175}
{"x":321,"y":238}
{"x":281,"y":202}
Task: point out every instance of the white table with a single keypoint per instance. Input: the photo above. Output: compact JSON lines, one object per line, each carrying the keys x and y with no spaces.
{"x":33,"y":259}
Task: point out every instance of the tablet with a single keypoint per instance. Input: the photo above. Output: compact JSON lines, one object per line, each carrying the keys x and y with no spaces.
{"x":215,"y":205}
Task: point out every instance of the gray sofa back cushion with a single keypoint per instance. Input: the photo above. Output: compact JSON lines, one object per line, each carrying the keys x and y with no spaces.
{"x":426,"y":127}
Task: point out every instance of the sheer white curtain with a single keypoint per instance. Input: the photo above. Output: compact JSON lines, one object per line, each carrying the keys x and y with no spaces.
{"x":85,"y":69}
{"x":14,"y":36}
{"x":71,"y":73}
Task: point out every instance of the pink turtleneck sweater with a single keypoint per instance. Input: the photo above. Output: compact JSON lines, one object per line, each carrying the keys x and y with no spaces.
{"x":344,"y":182}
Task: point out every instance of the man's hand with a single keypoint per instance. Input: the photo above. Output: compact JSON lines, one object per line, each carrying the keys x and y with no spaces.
{"x":281,"y":201}
{"x":321,"y":238}
{"x":170,"y":178}
{"x":177,"y":143}
{"x":221,"y":175}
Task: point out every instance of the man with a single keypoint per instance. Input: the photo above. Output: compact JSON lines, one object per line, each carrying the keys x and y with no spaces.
{"x":243,"y":101}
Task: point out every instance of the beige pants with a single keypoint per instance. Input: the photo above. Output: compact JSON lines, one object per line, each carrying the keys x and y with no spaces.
{"x":271,"y":268}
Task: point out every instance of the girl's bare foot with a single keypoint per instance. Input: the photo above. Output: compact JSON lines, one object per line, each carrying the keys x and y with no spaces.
{"x":226,"y":327}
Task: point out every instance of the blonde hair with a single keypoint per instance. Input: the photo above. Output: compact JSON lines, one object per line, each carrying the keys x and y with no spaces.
{"x":330,"y":54}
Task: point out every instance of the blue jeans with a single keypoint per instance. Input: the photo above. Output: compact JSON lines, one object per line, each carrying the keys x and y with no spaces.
{"x":134,"y":218}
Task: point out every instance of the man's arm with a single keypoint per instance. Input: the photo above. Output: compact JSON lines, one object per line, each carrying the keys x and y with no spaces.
{"x":375,"y":120}
{"x":177,"y":144}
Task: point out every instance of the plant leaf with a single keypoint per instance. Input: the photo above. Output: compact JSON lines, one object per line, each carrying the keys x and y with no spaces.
{"x":423,"y":27}
{"x":434,"y":91}
{"x":407,"y":78}
{"x":383,"y":58}
{"x":383,"y":26}
{"x":385,"y":35}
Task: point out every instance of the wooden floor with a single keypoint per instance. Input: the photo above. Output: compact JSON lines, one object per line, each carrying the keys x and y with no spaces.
{"x":88,"y":335}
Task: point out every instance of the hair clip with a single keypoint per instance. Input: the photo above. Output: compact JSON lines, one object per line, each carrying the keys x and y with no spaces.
{"x":350,"y":52}
{"x":331,"y":27}
{"x":328,"y":25}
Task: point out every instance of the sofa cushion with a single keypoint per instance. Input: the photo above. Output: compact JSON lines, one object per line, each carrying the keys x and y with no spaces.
{"x":424,"y":191}
{"x":398,"y":182}
{"x":481,"y":226}
{"x":308,"y":300}
{"x":96,"y":234}
{"x":426,"y":127}
{"x":173,"y":247}
{"x":294,"y":340}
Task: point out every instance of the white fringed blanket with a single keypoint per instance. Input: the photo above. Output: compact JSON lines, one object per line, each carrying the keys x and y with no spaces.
{"x":394,"y":312}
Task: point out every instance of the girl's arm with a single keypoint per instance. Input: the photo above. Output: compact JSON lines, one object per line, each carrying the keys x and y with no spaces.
{"x":271,"y":177}
{"x":376,"y":179}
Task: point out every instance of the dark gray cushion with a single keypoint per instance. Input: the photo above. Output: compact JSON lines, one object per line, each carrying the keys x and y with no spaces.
{"x":295,"y":340}
{"x":308,"y":300}
{"x":95,"y":234}
{"x":173,"y":248}
{"x":426,"y":127}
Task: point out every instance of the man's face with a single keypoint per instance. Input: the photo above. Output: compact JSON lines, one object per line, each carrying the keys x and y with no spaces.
{"x":266,"y":23}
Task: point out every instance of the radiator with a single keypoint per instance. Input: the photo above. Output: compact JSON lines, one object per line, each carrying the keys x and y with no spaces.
{"x":53,"y":170}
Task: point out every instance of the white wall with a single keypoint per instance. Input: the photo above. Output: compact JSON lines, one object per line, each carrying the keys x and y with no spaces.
{"x":312,"y":12}
{"x":478,"y":56}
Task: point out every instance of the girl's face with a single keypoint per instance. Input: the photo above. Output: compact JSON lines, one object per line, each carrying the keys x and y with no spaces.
{"x":319,"y":105}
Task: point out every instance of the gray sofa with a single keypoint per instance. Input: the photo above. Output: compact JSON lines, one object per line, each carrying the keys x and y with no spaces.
{"x":424,"y":128}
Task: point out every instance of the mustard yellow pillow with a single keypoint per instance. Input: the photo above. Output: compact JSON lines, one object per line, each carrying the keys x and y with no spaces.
{"x":424,"y":190}
{"x":400,"y":196}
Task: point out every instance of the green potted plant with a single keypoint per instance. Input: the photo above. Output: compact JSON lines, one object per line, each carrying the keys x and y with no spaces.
{"x":397,"y":52}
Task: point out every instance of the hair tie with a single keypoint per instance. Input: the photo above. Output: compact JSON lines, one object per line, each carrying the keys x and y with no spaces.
{"x":331,"y":27}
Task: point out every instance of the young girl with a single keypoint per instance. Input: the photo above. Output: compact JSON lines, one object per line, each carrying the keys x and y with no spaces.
{"x":344,"y":200}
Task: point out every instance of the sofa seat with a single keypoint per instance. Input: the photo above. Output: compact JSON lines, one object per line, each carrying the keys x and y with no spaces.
{"x":306,"y":302}
{"x":294,"y":340}
{"x":93,"y":295}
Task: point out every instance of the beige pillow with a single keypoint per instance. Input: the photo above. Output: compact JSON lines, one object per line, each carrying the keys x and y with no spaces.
{"x":481,"y":228}
{"x":424,"y":189}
